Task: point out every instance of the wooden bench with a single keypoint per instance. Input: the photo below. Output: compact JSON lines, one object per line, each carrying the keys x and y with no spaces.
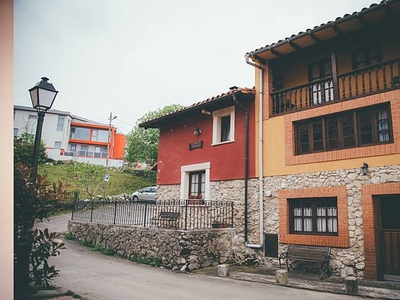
{"x":166,"y":219}
{"x":312,"y":254}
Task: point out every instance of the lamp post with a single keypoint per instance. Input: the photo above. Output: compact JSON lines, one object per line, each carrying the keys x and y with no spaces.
{"x":42,"y":95}
{"x":108,"y":154}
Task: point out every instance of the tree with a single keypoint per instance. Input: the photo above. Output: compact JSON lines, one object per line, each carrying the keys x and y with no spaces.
{"x":23,"y":150}
{"x":142,"y":144}
{"x":90,"y":177}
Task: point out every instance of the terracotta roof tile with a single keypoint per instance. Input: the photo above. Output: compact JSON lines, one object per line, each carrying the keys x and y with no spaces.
{"x":338,"y":19}
{"x":210,"y":100}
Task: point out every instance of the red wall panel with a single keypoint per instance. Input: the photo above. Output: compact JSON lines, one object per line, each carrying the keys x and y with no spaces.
{"x":226,"y":160}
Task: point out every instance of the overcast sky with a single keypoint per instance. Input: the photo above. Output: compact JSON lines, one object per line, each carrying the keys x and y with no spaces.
{"x":130,"y":57}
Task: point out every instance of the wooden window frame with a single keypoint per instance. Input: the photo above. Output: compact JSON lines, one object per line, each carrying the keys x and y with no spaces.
{"x":200,"y":183}
{"x":312,"y":203}
{"x":358,"y":131}
{"x":366,"y":50}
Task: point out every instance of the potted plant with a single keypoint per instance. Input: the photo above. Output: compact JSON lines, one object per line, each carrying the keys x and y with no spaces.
{"x":218,"y":224}
{"x":196,"y":199}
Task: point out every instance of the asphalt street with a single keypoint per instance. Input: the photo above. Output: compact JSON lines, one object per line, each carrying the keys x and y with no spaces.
{"x":95,"y":276}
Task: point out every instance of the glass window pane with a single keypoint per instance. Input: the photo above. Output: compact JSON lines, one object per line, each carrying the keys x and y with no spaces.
{"x":60,"y":123}
{"x":80,"y":133}
{"x":225,"y":128}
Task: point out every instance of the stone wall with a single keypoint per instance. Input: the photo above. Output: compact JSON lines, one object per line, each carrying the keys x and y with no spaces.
{"x":176,"y":249}
{"x":344,"y":261}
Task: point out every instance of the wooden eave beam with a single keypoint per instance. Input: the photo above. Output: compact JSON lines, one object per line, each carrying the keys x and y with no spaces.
{"x":362,"y":21}
{"x":293,"y":45}
{"x":314,"y":37}
{"x":260,"y":59}
{"x":336,"y":29}
{"x":273,"y":51}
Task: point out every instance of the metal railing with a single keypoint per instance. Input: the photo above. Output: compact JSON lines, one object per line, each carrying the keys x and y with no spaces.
{"x":176,"y":214}
{"x":370,"y":80}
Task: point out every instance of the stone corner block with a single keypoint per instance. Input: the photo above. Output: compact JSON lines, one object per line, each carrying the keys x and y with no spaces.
{"x":223,"y":270}
{"x":282,"y":277}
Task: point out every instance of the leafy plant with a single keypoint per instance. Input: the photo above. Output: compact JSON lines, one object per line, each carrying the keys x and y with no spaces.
{"x":45,"y":244}
{"x":69,"y":235}
{"x":31,"y":202}
{"x":23,"y":150}
{"x":155,"y":262}
{"x":103,"y":250}
{"x":142,"y":144}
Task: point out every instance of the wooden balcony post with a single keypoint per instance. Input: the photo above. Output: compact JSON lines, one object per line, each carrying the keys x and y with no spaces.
{"x":334,"y":76}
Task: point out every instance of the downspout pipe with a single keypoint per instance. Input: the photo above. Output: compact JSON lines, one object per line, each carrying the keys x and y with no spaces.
{"x":260,"y":160}
{"x":246,"y":162}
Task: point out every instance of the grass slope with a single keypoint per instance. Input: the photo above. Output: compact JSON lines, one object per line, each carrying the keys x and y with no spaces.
{"x":119,"y":182}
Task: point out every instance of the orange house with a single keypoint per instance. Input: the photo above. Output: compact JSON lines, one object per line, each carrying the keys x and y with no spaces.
{"x":95,"y":140}
{"x":328,"y":104}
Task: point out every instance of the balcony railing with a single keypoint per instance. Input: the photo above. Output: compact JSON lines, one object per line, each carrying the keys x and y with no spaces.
{"x":176,"y":214}
{"x":370,"y":80}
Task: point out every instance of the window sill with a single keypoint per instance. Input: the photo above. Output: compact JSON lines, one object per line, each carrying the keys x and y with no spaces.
{"x":223,"y":143}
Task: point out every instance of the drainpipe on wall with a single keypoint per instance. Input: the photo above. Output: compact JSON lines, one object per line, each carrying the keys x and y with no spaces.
{"x":246,"y":162}
{"x":260,"y":159}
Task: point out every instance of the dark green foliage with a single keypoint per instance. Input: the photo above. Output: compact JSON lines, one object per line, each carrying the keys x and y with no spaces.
{"x":147,"y":174}
{"x":45,"y":244}
{"x":142,"y":144}
{"x":23,"y":150}
{"x":33,"y":200}
{"x":142,"y":259}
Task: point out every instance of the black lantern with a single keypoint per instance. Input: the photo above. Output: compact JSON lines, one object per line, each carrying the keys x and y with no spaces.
{"x":197,"y":131}
{"x":43,"y":95}
{"x":364,"y":168}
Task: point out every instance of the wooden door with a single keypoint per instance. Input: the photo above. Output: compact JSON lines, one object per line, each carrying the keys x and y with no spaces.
{"x":390,"y":234}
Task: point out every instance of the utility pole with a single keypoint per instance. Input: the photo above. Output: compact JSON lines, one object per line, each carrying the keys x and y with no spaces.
{"x":106,"y":177}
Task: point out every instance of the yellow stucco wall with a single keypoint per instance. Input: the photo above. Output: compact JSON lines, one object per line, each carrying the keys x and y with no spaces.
{"x":274,"y":154}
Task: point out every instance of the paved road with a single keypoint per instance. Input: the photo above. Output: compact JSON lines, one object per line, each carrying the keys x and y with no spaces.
{"x":95,"y":276}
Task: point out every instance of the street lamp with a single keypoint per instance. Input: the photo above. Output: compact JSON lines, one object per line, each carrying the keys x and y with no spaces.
{"x":43,"y":95}
{"x":106,"y":177}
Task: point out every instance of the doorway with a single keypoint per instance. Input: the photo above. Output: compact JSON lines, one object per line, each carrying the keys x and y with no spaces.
{"x":389,"y":236}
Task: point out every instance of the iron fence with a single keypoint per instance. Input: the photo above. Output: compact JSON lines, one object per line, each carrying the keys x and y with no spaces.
{"x":176,"y":214}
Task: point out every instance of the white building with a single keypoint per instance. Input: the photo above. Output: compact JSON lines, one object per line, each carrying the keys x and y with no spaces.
{"x":59,"y":135}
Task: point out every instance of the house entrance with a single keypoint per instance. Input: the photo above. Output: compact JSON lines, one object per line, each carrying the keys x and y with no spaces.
{"x":389,"y":207}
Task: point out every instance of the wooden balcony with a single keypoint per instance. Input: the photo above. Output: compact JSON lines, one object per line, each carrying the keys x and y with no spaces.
{"x":370,"y":80}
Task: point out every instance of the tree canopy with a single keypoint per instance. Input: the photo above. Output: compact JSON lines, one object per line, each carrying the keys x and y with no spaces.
{"x":142,"y":144}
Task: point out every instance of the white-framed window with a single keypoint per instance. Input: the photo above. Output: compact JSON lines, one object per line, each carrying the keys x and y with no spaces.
{"x":15,"y":132}
{"x":57,"y":145}
{"x":60,"y":123}
{"x":188,"y":173}
{"x":224,"y":125}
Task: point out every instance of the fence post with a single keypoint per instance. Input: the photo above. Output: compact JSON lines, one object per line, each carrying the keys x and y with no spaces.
{"x":232,"y":214}
{"x":115,"y":211}
{"x":91,"y":210}
{"x":186,"y":210}
{"x":75,"y":202}
{"x":145,"y":215}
